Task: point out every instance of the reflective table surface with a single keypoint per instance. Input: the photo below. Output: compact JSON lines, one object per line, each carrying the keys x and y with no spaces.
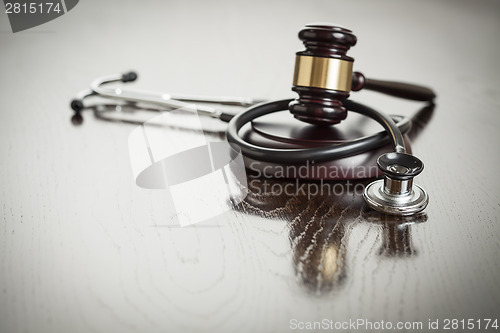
{"x":83,"y":249}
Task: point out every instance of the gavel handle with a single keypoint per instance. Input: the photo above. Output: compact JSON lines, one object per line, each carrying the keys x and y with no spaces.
{"x":396,"y":89}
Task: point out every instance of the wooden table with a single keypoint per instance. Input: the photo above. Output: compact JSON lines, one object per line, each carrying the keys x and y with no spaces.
{"x":83,"y":249}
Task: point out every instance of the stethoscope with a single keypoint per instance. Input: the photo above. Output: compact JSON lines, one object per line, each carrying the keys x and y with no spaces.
{"x":327,"y":74}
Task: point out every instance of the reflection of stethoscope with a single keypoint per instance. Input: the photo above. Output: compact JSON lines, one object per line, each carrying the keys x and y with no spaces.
{"x":323,"y":79}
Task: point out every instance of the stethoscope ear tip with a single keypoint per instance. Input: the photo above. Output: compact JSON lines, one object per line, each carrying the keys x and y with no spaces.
{"x":129,"y":77}
{"x":76,"y":105}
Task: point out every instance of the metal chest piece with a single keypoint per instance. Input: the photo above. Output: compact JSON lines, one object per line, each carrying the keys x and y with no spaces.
{"x":396,"y":194}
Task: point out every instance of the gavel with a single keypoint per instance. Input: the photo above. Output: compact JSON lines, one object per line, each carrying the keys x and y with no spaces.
{"x":323,"y":77}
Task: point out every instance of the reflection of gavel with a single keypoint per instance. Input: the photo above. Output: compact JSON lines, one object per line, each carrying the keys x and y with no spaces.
{"x":319,"y":255}
{"x":323,"y":77}
{"x":320,"y":228}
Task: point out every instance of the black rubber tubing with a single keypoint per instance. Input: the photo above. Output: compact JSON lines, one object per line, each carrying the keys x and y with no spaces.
{"x":393,"y":134}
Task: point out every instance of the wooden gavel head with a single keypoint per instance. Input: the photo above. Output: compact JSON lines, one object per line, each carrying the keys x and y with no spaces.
{"x":323,"y":74}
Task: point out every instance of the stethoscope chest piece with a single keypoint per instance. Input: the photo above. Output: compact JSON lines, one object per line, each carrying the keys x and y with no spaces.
{"x":396,"y":194}
{"x":407,"y":204}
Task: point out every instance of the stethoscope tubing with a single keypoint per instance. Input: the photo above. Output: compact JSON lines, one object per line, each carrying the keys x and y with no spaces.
{"x":393,"y":134}
{"x":396,"y":194}
{"x":393,"y":131}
